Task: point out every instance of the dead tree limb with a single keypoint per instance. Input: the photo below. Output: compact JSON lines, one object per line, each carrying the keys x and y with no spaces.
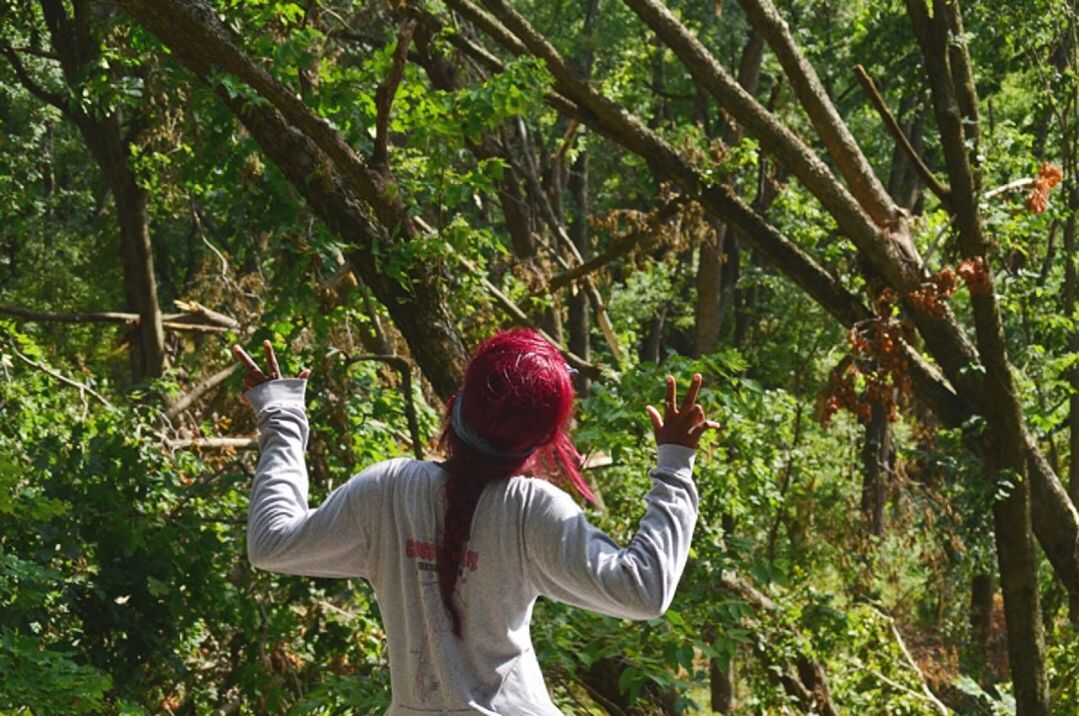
{"x":185,"y":401}
{"x":620,"y":245}
{"x":170,"y":321}
{"x":213,"y":444}
{"x":197,"y":309}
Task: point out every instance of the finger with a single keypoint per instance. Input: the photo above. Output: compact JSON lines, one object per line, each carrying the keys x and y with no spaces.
{"x":271,"y":360}
{"x":657,"y":422}
{"x":671,"y":392}
{"x":248,"y":361}
{"x":698,"y":430}
{"x":696,"y":414}
{"x":691,"y":394}
{"x":305,"y":374}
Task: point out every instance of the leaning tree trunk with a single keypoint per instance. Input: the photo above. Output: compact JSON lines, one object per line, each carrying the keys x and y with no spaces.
{"x":953,"y":392}
{"x":343,"y":188}
{"x":880,"y":231}
{"x":955,"y":106}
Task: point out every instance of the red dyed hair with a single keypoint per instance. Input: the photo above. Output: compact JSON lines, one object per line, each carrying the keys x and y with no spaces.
{"x":517,"y":398}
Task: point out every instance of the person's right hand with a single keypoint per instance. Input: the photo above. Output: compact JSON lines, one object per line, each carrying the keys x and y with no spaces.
{"x":255,"y":375}
{"x":685,"y":425}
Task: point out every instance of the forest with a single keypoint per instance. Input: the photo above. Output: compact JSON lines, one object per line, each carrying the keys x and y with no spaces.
{"x":855,"y":218}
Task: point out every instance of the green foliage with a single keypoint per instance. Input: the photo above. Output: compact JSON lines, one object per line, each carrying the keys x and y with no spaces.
{"x":123,"y":582}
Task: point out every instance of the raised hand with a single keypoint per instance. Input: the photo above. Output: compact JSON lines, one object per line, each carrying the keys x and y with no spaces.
{"x":255,"y":375}
{"x":681,"y":425}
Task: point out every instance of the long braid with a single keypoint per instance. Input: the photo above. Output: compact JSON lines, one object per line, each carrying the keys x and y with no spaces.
{"x":516,"y":401}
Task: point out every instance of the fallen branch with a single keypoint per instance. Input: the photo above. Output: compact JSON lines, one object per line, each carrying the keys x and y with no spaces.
{"x":197,"y":309}
{"x":926,"y":691}
{"x":184,"y":402}
{"x":619,"y":246}
{"x":171,"y":321}
{"x":193,"y":327}
{"x":213,"y":443}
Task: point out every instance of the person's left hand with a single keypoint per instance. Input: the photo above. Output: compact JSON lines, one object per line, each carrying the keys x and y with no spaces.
{"x":255,"y":376}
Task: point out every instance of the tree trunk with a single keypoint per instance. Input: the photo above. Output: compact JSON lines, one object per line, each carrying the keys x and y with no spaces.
{"x":719,"y":256}
{"x":579,"y":316}
{"x":136,"y":256}
{"x":878,"y":464}
{"x":981,"y":616}
{"x":721,"y":685}
{"x":1022,"y":603}
{"x":77,"y":49}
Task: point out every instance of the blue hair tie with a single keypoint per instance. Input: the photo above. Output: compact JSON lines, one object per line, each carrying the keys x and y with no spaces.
{"x":477,"y":443}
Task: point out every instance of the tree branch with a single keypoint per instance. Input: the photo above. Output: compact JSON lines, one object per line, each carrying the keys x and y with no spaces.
{"x":197,"y":309}
{"x":213,"y":443}
{"x":942,"y":192}
{"x":620,"y":245}
{"x":197,"y":23}
{"x":51,"y":98}
{"x":387,"y":90}
{"x":890,"y":251}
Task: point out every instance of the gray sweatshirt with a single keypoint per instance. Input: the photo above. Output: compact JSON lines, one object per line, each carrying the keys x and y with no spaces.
{"x":529,"y":538}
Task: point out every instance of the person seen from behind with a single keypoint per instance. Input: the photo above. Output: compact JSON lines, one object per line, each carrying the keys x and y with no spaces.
{"x":458,"y":551}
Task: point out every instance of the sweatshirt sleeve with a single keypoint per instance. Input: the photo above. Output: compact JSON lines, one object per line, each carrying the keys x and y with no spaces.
{"x":574,"y":562}
{"x":283,"y":534}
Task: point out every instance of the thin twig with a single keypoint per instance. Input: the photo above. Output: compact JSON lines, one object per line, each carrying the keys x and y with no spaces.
{"x":82,"y":387}
{"x":404,"y":367}
{"x":929,"y":695}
